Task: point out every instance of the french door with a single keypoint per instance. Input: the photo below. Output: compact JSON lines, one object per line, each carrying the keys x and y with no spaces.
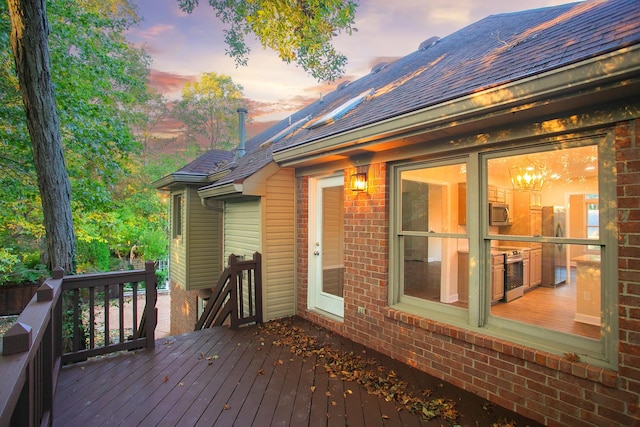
{"x":326,"y":244}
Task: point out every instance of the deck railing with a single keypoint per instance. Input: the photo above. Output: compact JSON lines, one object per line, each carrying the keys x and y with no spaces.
{"x":237,"y":296}
{"x":66,"y":309}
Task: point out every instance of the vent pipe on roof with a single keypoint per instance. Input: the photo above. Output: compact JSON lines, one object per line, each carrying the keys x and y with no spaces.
{"x":241,"y":150}
{"x":428,"y":43}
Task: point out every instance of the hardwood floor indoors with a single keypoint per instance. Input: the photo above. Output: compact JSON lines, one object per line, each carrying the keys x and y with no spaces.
{"x":552,"y":308}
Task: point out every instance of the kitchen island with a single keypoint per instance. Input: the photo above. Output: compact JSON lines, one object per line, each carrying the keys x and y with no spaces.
{"x":588,"y":289}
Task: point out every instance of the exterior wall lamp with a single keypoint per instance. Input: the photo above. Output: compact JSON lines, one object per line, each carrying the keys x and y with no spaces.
{"x":359,"y":182}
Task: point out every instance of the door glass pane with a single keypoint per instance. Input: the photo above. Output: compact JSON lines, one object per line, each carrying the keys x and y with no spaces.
{"x":332,"y":240}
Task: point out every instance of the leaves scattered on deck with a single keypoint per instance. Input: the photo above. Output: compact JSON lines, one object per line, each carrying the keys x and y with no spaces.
{"x":348,"y":366}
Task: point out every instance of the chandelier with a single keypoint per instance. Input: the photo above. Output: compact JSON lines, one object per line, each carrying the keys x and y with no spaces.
{"x":528,"y":176}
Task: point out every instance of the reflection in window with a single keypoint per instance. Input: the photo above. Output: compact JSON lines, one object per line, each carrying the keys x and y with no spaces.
{"x":556,"y":200}
{"x":429,"y":239}
{"x":570,"y":305}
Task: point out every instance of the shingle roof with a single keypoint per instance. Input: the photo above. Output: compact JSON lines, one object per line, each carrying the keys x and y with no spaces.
{"x":207,"y":163}
{"x":493,"y":51}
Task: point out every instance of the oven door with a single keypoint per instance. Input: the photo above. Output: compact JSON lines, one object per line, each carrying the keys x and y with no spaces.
{"x":513,"y":277}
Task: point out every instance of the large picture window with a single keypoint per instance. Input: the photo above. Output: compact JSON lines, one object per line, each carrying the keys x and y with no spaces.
{"x":552,"y":200}
{"x":518,"y":240}
{"x":430,"y":236}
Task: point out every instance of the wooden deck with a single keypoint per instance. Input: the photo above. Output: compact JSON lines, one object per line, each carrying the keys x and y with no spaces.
{"x":222,"y":377}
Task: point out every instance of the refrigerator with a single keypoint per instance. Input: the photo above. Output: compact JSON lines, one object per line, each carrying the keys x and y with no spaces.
{"x":554,"y":255}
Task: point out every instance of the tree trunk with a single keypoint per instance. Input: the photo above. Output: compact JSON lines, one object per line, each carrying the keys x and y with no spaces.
{"x":29,"y":32}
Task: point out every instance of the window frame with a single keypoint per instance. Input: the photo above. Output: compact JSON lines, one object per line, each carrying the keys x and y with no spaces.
{"x":177,"y":213}
{"x":602,"y":352}
{"x":444,"y":312}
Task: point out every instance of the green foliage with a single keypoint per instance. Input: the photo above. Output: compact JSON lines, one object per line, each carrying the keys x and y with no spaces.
{"x":102,"y":95}
{"x":93,"y":256}
{"x":15,"y":268}
{"x":298,"y":31}
{"x":208,"y":110}
{"x":8,"y":262}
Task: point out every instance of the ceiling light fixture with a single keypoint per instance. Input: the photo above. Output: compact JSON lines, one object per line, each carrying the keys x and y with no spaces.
{"x":528,"y":177}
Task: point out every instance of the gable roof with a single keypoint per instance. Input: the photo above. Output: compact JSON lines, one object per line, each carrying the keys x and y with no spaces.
{"x":491,"y":53}
{"x":197,"y":171}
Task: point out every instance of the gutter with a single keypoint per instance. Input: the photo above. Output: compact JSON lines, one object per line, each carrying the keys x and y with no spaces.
{"x":222,"y":191}
{"x":521,"y":93}
{"x":178,"y":178}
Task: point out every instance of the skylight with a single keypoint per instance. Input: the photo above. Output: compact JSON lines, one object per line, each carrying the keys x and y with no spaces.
{"x":342,"y":109}
{"x":286,"y":131}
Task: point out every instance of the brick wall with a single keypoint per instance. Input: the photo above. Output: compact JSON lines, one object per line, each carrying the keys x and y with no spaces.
{"x":184,"y":309}
{"x":628,"y":190}
{"x":540,"y":385}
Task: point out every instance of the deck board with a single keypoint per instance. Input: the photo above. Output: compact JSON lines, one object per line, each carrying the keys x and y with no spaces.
{"x":229,"y":378}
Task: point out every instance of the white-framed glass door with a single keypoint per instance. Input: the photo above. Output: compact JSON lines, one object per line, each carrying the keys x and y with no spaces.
{"x":326,"y":244}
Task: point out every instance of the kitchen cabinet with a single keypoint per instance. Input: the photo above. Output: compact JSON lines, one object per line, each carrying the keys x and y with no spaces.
{"x":462,"y":203}
{"x":497,"y":277}
{"x":535,"y":221}
{"x":463,"y":276}
{"x":535,"y":267}
{"x":526,"y":279}
{"x":588,"y":281}
{"x":527,"y":219}
{"x":535,"y":199}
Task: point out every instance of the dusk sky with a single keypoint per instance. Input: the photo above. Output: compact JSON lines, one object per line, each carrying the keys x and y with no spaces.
{"x":183,"y":46}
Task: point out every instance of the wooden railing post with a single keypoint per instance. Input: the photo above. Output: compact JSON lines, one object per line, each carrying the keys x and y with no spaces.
{"x":257,"y":258}
{"x":233,"y":263}
{"x":151,"y":311}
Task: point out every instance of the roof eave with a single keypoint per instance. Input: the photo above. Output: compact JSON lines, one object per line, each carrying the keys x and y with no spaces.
{"x":588,"y":73}
{"x":169,"y":181}
{"x":223,"y":191}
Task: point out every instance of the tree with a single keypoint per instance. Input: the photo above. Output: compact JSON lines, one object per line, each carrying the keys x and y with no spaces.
{"x":299,"y":31}
{"x":208,"y":109}
{"x":30,"y":29}
{"x":100,"y":83}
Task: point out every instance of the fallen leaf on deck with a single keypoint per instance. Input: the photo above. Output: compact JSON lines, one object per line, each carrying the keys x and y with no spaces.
{"x":261,"y":372}
{"x":165,"y":379}
{"x":313,"y":388}
{"x":226,"y":407}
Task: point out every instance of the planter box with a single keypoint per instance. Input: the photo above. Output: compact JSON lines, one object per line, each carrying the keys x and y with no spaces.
{"x":14,"y":298}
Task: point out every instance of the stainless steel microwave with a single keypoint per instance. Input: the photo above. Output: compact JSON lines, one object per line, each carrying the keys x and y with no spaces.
{"x":499,"y":214}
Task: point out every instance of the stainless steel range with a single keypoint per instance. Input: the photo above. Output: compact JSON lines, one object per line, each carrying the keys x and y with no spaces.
{"x":513,"y":273}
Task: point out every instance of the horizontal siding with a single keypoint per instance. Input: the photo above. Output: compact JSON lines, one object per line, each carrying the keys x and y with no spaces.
{"x":241,"y":228}
{"x":204,"y":250}
{"x":279,"y":259}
